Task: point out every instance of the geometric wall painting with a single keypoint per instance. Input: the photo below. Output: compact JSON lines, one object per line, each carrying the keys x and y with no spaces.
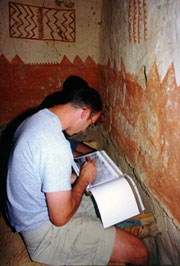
{"x":137,"y":21}
{"x":41,"y":23}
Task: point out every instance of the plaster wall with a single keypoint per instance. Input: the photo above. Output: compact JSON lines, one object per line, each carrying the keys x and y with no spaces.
{"x":142,"y":32}
{"x":41,"y":44}
{"x":76,"y":32}
{"x":135,"y":67}
{"x":140,"y":70}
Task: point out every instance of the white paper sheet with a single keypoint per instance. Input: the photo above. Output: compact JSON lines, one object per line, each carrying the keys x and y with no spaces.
{"x":115,"y":201}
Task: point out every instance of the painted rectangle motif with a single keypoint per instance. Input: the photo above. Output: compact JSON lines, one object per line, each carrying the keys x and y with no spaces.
{"x":41,"y":23}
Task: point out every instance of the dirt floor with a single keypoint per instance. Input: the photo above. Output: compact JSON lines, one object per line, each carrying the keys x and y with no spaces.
{"x":12,"y":248}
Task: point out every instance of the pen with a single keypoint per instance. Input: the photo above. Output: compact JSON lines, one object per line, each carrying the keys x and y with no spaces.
{"x":88,"y":159}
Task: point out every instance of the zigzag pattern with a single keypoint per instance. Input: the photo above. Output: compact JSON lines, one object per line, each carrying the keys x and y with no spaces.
{"x":41,"y":23}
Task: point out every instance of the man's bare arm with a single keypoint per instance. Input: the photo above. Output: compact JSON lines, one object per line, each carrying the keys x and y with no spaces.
{"x":62,"y":205}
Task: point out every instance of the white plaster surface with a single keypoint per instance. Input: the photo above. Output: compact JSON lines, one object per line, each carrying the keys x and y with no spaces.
{"x":161,"y":45}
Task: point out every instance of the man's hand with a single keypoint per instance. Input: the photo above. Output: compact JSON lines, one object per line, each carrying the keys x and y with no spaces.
{"x":88,"y":171}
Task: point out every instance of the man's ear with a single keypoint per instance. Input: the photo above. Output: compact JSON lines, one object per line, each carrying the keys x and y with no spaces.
{"x":85,"y":113}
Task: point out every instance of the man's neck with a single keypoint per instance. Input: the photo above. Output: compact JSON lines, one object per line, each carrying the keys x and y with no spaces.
{"x":66,"y":113}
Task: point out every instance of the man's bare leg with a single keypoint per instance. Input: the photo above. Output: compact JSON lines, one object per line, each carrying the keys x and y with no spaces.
{"x":128,"y":249}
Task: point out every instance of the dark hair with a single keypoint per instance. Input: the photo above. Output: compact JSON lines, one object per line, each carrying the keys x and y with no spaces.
{"x":73,"y":82}
{"x":75,"y":91}
{"x":83,"y":98}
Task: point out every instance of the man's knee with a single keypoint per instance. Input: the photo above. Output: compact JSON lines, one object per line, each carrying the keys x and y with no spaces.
{"x":139,"y":252}
{"x":143,"y":251}
{"x":129,"y":249}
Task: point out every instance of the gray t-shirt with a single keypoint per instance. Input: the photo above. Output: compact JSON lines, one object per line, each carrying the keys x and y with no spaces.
{"x":41,"y":161}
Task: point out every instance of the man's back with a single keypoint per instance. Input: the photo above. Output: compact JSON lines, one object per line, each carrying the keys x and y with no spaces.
{"x":39,"y":145}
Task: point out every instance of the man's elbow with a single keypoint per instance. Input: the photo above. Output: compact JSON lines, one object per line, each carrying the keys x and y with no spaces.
{"x":59,"y":221}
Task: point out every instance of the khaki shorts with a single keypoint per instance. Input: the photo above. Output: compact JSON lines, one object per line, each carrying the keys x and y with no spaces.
{"x":82,"y":241}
